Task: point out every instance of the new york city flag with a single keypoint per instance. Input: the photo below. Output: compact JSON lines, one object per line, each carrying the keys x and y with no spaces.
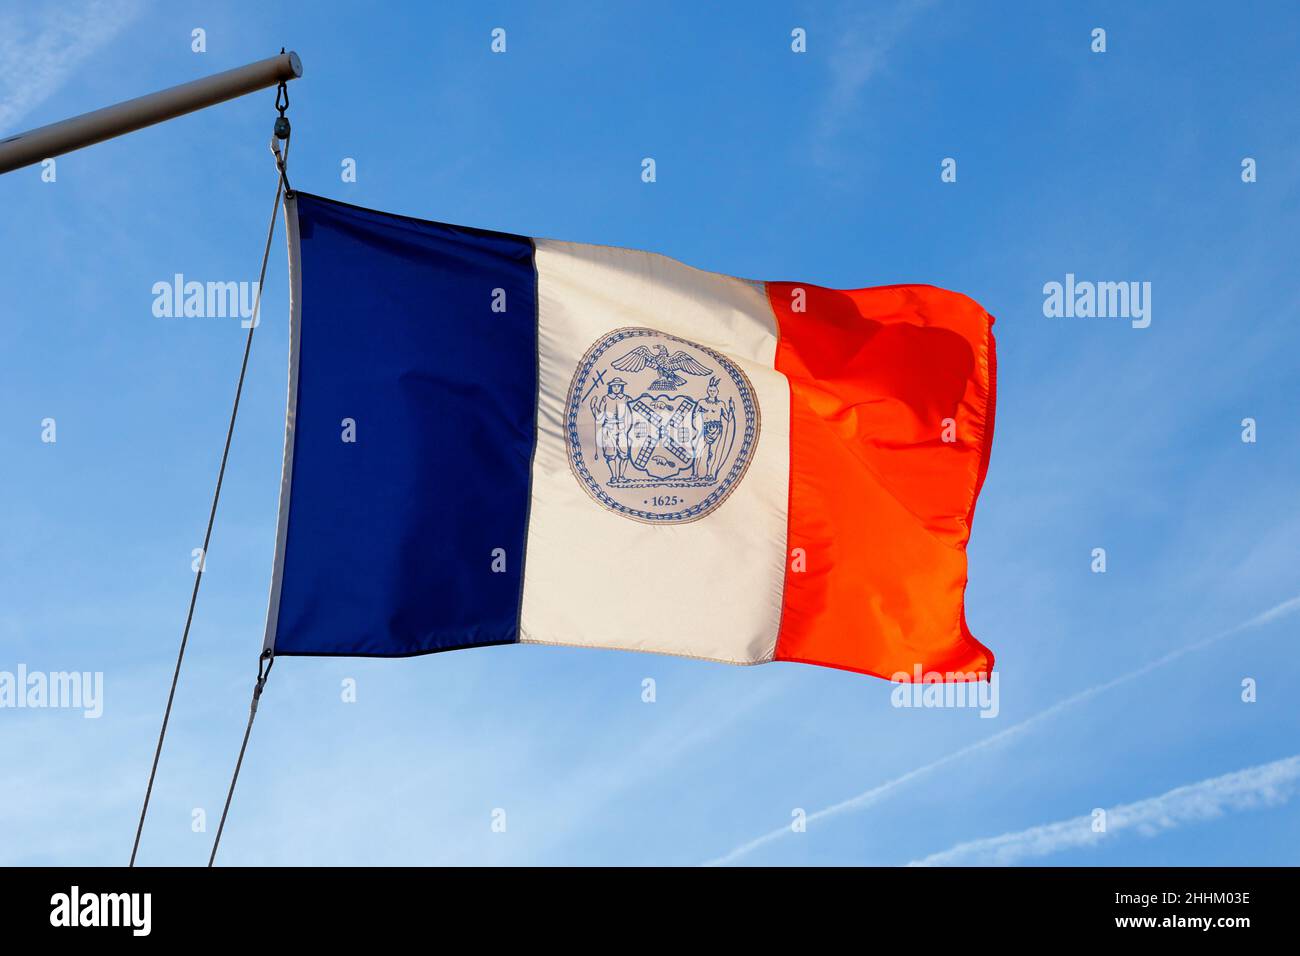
{"x":493,"y":439}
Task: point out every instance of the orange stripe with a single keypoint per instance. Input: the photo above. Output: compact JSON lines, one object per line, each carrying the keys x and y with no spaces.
{"x":892,"y":396}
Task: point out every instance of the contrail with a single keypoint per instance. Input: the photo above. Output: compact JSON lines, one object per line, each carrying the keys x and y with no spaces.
{"x":868,"y":797}
{"x":1269,"y":784}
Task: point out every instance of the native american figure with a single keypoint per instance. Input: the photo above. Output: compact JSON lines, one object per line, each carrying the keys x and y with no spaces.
{"x":714,"y":427}
{"x":666,"y":366}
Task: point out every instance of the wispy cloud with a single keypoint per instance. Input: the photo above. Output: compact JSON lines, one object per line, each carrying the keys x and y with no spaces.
{"x":861,"y":52}
{"x":868,"y":797}
{"x":42,"y":45}
{"x":602,"y":783}
{"x":1269,"y":784}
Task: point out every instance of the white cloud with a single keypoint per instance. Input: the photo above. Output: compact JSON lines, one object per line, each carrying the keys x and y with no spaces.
{"x":868,"y":797}
{"x":42,"y":45}
{"x":1269,"y":784}
{"x":861,"y":51}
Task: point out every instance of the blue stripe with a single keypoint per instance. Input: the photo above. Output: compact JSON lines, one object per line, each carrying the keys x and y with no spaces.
{"x":392,"y":539}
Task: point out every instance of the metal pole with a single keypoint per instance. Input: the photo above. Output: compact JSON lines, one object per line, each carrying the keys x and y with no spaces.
{"x":90,"y":128}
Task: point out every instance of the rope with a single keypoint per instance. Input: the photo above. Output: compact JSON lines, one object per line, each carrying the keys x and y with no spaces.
{"x":281,"y":183}
{"x":267,"y":661}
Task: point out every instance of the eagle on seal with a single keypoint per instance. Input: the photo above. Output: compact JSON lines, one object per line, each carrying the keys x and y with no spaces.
{"x":665,"y":365}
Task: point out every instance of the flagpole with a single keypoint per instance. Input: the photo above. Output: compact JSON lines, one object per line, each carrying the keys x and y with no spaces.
{"x":24,"y":149}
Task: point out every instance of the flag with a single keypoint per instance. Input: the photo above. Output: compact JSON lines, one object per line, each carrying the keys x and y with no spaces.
{"x":492,"y":439}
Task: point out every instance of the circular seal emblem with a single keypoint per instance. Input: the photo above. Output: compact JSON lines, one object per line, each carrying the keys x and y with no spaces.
{"x":658,"y":428}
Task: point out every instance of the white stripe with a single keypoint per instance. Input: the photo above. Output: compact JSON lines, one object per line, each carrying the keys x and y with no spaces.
{"x":710,"y":588}
{"x":290,"y":415}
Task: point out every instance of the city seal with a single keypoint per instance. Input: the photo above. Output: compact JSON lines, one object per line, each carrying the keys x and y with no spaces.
{"x":659,"y":429}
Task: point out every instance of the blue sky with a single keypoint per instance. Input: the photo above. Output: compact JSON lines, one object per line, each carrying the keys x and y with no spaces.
{"x":1117,"y":689}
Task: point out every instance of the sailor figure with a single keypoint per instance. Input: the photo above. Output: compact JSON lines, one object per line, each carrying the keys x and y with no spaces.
{"x":613,"y":415}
